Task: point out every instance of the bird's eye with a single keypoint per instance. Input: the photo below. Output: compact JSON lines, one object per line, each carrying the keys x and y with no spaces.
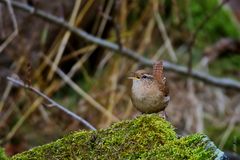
{"x":144,"y":76}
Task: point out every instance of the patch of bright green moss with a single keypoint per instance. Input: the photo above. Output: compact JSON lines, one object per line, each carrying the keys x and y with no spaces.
{"x":146,"y":137}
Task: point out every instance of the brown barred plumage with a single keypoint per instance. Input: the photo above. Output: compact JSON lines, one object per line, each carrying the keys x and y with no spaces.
{"x":158,"y":71}
{"x":158,"y":74}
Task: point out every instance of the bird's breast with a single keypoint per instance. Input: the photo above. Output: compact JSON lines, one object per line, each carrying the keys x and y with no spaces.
{"x":148,"y":98}
{"x":142,"y":91}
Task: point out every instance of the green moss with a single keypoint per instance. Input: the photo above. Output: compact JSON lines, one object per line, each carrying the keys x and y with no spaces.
{"x":146,"y":137}
{"x":3,"y":155}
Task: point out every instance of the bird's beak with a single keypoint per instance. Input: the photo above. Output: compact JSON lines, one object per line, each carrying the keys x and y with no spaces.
{"x":134,"y":78}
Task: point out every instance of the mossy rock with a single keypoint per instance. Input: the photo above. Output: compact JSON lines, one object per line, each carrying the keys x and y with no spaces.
{"x":146,"y":137}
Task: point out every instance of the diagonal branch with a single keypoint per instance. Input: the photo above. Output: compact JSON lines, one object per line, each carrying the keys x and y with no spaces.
{"x":17,"y":82}
{"x":221,"y":82}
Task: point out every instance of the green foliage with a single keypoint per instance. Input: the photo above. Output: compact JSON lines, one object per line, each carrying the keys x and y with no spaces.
{"x":146,"y":137}
{"x":216,"y":133}
{"x":63,"y":97}
{"x":68,"y":97}
{"x":226,"y":66}
{"x":220,"y":25}
{"x":136,"y":11}
{"x":3,"y":155}
{"x":233,"y":142}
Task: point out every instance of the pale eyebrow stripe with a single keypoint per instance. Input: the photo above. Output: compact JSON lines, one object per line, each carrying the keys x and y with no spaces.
{"x":149,"y":76}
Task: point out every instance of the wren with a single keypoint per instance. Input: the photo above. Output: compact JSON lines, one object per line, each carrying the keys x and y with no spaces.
{"x":150,"y":92}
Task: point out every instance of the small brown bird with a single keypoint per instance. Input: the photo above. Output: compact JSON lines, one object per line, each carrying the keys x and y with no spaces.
{"x":150,"y":93}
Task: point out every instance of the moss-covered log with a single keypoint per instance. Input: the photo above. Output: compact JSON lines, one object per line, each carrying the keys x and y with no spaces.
{"x":146,"y":137}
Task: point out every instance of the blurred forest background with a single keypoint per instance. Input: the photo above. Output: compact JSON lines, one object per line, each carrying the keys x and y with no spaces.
{"x":207,"y":31}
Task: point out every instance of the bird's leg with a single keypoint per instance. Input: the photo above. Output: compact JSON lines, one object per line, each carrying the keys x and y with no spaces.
{"x":164,"y":115}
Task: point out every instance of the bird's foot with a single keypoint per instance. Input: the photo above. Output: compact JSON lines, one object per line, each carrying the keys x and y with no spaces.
{"x":164,"y":115}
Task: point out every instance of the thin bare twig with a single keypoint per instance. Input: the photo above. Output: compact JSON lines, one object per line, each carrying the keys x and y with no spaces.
{"x":65,"y":39}
{"x":198,"y":29}
{"x":52,"y":102}
{"x":15,"y":26}
{"x":8,"y":88}
{"x":81,"y":92}
{"x":116,"y":28}
{"x":162,"y":29}
{"x":221,"y":82}
{"x":231,"y":125}
{"x":118,"y":34}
